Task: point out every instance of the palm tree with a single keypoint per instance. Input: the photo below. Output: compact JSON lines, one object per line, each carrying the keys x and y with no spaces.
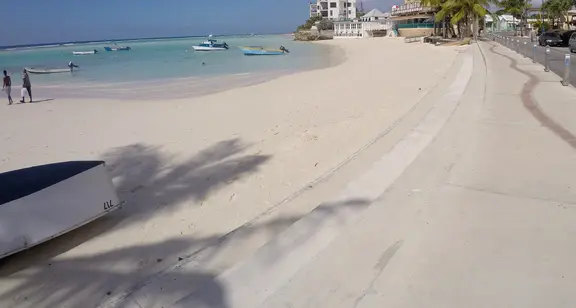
{"x":558,"y":9}
{"x":550,"y":9}
{"x":462,"y":13}
{"x":437,"y":4}
{"x":516,"y":8}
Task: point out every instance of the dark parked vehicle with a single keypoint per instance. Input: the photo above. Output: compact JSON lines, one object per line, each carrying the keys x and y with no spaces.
{"x":550,"y":39}
{"x":566,"y":37}
{"x":572,"y":43}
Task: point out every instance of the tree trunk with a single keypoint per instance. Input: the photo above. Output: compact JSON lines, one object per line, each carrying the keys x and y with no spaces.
{"x":450,"y":30}
{"x":466,"y":26}
{"x":475,"y":28}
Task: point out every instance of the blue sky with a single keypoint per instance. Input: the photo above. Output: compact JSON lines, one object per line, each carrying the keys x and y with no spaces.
{"x":46,"y":21}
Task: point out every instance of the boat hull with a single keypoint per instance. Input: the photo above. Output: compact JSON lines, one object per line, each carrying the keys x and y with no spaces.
{"x":117,"y":48}
{"x":204,"y":48}
{"x":47,"y":71}
{"x":83,"y":53}
{"x":43,"y":202}
{"x":262,"y":52}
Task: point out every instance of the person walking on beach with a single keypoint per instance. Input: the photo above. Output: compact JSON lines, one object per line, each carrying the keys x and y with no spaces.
{"x":7,"y":86}
{"x":26,"y":86}
{"x":71,"y":65}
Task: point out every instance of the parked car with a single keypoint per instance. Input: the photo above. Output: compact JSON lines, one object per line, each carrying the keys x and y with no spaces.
{"x":550,"y":39}
{"x":566,"y":35}
{"x":548,"y":30}
{"x":572,"y":43}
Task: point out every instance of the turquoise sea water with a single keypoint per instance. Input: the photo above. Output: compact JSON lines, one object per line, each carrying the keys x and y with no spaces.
{"x":163,"y":60}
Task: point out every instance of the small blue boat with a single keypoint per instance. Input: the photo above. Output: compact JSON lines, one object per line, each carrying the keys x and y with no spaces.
{"x":262,"y":51}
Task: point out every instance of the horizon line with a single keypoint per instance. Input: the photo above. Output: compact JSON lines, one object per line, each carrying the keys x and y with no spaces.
{"x":124,"y":39}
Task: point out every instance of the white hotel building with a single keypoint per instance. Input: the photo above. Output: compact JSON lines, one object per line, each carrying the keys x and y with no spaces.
{"x":334,"y":9}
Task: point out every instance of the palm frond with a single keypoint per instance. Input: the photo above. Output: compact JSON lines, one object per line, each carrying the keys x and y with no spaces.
{"x":457,"y":16}
{"x":479,"y":10}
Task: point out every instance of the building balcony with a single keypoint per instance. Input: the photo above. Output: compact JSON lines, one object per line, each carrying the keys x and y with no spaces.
{"x":413,"y":8}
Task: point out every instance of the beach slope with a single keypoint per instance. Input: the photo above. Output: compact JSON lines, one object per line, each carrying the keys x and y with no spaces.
{"x":215,"y":176}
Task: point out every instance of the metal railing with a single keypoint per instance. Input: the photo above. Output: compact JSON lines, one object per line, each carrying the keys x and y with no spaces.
{"x":530,"y":49}
{"x":415,"y":25}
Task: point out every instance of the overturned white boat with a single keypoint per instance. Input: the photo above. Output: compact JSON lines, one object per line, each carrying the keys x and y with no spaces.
{"x":47,"y":70}
{"x":42,"y":202}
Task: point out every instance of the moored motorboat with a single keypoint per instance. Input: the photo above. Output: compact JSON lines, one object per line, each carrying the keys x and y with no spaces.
{"x":42,"y":202}
{"x":47,"y":70}
{"x":263,"y":51}
{"x":211,"y":45}
{"x":84,"y":53}
{"x":117,"y":48}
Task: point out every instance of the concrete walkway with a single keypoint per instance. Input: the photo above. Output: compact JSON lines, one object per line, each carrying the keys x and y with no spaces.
{"x":483,"y":216}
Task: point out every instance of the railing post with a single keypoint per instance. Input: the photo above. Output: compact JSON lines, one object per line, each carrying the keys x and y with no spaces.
{"x":546,"y":58}
{"x":566,"y":79}
{"x":534,"y":53}
{"x":525,"y":52}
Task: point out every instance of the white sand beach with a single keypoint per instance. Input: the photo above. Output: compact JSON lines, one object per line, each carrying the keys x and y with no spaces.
{"x":194,"y":169}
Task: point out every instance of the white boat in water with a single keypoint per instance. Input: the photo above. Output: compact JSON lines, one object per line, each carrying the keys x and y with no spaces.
{"x":43,"y":202}
{"x":84,"y":53}
{"x":118,"y":48}
{"x":47,"y":70}
{"x":211,"y":45}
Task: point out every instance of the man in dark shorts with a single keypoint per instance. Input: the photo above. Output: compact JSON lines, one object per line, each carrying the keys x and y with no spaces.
{"x":7,"y":86}
{"x":26,"y":85}
{"x":71,"y":65}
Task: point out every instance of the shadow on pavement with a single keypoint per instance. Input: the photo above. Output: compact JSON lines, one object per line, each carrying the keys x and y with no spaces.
{"x":92,"y":279}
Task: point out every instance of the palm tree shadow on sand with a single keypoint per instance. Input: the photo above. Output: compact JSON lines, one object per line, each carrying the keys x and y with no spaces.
{"x":150,"y":184}
{"x":114,"y":279}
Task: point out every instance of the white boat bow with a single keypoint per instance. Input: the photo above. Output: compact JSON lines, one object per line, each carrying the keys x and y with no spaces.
{"x":42,"y":202}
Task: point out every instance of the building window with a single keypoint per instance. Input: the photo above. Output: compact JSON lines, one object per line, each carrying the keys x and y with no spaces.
{"x":330,"y":13}
{"x":332,"y":4}
{"x":324,"y":13}
{"x":349,"y":12}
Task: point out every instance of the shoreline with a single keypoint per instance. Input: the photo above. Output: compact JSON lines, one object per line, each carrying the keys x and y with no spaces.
{"x":171,"y":88}
{"x":194,"y":169}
